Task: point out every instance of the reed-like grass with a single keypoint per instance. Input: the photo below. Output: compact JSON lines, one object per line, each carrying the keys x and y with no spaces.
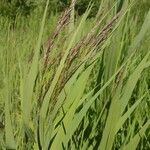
{"x":76,"y":83}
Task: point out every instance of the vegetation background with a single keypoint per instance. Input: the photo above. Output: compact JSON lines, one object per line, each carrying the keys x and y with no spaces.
{"x":75,"y":76}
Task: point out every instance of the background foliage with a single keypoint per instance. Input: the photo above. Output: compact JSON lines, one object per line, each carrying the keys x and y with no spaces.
{"x":11,"y":8}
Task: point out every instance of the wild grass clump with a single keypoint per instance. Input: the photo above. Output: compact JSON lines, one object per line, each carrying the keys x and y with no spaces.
{"x":79,"y":83}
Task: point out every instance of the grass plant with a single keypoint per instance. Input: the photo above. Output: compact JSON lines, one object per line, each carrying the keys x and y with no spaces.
{"x":73,"y":82}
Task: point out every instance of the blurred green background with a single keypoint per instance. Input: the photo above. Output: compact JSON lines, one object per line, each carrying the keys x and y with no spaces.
{"x":11,"y":9}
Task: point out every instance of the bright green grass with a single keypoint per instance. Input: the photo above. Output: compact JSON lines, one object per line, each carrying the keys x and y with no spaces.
{"x":105,"y":103}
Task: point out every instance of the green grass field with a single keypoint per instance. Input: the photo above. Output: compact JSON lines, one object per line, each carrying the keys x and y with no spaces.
{"x":76,"y":83}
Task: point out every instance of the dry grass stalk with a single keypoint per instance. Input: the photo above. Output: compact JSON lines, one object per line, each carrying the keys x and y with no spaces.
{"x":63,"y":21}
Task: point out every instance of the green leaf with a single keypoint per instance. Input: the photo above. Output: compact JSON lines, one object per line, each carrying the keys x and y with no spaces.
{"x":74,"y":96}
{"x":136,"y":139}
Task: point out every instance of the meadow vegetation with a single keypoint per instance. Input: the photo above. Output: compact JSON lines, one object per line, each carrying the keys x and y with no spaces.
{"x":76,"y":76}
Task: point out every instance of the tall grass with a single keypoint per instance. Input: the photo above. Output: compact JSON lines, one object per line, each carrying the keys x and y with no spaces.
{"x":74,"y":82}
